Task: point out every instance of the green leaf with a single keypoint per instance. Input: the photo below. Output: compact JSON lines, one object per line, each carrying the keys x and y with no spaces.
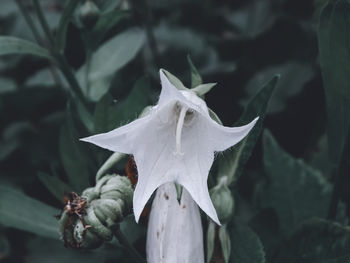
{"x":105,"y":23}
{"x":294,"y":77}
{"x":316,"y":241}
{"x":333,"y":39}
{"x":225,"y":242}
{"x":203,"y":89}
{"x":210,"y":240}
{"x":232,"y":163}
{"x":246,"y":246}
{"x":85,"y":116}
{"x":174,"y":80}
{"x":196,"y":78}
{"x":215,"y":117}
{"x":73,"y":157}
{"x":109,"y":115}
{"x":56,"y":187}
{"x":53,"y":251}
{"x":13,"y":45}
{"x":105,"y":114}
{"x":296,"y":191}
{"x":109,"y":58}
{"x":67,"y":13}
{"x":132,"y":106}
{"x":22,"y":212}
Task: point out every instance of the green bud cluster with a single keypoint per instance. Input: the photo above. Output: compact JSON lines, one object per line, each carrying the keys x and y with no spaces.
{"x":223,"y":201}
{"x":106,"y":205}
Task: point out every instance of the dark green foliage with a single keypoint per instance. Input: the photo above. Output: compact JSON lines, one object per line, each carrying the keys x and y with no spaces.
{"x":316,"y":241}
{"x":23,"y":212}
{"x":107,"y":71}
{"x":335,"y":64}
{"x":246,"y":245}
{"x":295,"y":190}
{"x":232,"y":164}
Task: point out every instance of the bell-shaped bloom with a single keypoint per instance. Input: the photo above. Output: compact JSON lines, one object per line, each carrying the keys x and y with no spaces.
{"x":174,"y":142}
{"x":174,"y":233}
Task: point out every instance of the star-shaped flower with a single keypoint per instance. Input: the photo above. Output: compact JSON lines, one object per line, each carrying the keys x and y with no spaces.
{"x":174,"y":142}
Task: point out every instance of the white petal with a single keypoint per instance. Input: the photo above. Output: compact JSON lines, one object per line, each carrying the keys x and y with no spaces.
{"x":169,"y":91}
{"x":196,"y":163}
{"x":174,"y":233}
{"x":120,"y":139}
{"x":226,"y":137}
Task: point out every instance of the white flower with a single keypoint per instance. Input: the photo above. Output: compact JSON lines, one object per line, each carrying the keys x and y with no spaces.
{"x":174,"y":233}
{"x":174,"y":142}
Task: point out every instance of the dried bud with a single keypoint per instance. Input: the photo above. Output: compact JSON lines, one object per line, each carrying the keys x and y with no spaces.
{"x":223,"y":201}
{"x":88,"y":220}
{"x":88,"y":14}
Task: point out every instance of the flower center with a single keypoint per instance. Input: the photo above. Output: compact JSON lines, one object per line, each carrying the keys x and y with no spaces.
{"x":179,"y":126}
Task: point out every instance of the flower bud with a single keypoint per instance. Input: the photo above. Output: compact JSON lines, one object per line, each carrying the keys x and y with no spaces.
{"x":88,"y":14}
{"x":223,"y":201}
{"x":88,"y":220}
{"x":174,"y":231}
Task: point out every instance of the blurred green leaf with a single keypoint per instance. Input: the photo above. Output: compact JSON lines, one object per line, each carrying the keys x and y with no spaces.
{"x":333,"y":39}
{"x":45,"y":78}
{"x":53,"y":251}
{"x":316,"y":241}
{"x":105,"y":114}
{"x":296,"y":191}
{"x":105,"y":23}
{"x":72,"y":156}
{"x":294,"y":76}
{"x":225,"y":242}
{"x":85,"y":116}
{"x":56,"y":187}
{"x":7,"y":85}
{"x":20,"y":211}
{"x":109,"y":115}
{"x":196,"y":78}
{"x":210,"y":240}
{"x":107,"y":5}
{"x":265,"y":224}
{"x":138,"y":98}
{"x":13,"y":45}
{"x":131,"y":229}
{"x":108,"y":58}
{"x":5,"y":248}
{"x":320,"y":158}
{"x":203,"y":89}
{"x":232,"y":163}
{"x":67,"y":13}
{"x":246,"y":246}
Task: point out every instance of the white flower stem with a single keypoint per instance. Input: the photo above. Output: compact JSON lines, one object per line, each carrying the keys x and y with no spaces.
{"x":180,"y":124}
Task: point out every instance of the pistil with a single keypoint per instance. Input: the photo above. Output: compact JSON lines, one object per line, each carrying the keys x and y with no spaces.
{"x":180,"y":124}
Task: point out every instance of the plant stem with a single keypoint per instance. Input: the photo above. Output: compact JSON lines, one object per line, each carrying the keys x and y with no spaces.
{"x":29,"y":21}
{"x":125,"y":242}
{"x":43,"y":22}
{"x":60,"y":58}
{"x":144,"y":14}
{"x":37,"y":37}
{"x":70,"y":77}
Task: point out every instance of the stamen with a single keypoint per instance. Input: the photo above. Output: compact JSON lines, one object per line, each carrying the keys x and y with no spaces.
{"x":180,"y":124}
